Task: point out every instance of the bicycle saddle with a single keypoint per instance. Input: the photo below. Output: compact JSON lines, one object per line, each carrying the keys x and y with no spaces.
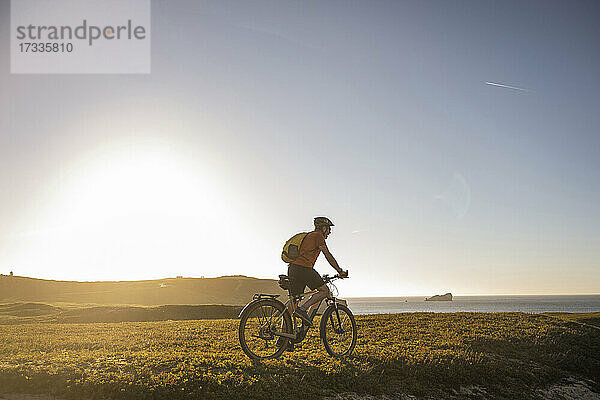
{"x":284,"y":282}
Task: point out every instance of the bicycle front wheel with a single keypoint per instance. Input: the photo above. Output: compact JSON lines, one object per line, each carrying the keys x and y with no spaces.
{"x":338,"y":331}
{"x":258,"y":326}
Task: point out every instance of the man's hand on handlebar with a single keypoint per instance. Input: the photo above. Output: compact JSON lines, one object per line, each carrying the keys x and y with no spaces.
{"x":343,"y":274}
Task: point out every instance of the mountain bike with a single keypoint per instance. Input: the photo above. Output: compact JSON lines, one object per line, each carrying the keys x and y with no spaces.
{"x":267,"y":325}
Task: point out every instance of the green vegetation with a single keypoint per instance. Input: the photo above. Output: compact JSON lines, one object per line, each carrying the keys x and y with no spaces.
{"x":505,"y":355}
{"x":582,"y":318}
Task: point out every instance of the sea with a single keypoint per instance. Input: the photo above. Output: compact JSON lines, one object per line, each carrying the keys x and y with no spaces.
{"x":489,"y":304}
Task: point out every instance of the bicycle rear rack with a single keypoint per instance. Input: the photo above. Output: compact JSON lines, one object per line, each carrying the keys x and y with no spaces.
{"x":260,"y":296}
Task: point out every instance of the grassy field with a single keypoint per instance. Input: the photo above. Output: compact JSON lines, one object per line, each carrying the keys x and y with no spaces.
{"x":465,"y":355}
{"x":582,"y":318}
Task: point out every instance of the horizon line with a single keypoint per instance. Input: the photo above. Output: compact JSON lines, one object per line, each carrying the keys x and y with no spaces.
{"x":349,"y":297}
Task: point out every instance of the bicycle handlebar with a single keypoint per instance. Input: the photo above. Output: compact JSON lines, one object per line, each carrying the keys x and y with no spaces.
{"x":328,"y":278}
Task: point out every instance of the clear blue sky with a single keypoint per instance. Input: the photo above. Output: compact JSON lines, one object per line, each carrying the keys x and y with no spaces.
{"x":258,"y":116}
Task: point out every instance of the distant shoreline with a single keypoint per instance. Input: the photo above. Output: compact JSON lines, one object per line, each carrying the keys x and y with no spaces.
{"x":484,"y":304}
{"x":468,"y":296}
{"x":464,"y":297}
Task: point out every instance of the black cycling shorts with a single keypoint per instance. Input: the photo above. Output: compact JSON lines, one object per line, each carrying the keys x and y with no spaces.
{"x":300,"y":277}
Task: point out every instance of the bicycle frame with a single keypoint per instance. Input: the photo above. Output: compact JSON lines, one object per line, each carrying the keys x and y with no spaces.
{"x":293,"y":300}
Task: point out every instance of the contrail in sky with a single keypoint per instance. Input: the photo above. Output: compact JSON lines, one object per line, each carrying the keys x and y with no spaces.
{"x":506,"y":86}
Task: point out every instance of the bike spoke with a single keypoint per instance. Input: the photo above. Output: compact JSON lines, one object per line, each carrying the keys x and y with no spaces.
{"x":264,"y":320}
{"x":258,"y":331}
{"x":273,"y":310}
{"x":339,"y":333}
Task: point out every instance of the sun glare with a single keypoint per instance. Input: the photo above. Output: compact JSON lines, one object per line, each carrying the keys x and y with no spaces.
{"x":136,"y":217}
{"x":147,"y":185}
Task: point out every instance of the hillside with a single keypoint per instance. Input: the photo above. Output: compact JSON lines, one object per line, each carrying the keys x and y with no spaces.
{"x":401,"y":356}
{"x":29,"y":313}
{"x":234,"y":290}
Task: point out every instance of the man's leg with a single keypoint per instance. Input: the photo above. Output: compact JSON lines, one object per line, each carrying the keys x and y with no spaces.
{"x":315,"y":299}
{"x":314,"y":281}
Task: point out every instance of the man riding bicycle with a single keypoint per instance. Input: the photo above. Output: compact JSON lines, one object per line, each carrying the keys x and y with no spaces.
{"x":266,"y":319}
{"x":302,"y":273}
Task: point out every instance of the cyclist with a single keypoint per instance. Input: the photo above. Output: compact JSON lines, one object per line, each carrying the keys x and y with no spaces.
{"x":302,"y":273}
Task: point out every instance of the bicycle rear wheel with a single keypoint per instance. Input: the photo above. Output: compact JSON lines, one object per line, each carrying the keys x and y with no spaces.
{"x":338,"y":331}
{"x":258,"y":323}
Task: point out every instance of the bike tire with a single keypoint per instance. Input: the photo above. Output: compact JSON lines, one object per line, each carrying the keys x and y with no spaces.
{"x":247,"y":333}
{"x":327,"y":328}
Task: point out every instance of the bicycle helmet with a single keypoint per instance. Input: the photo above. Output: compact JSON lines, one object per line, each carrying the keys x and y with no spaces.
{"x":322,"y":221}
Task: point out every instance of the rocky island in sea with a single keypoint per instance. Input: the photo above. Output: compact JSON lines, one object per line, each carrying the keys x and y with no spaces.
{"x":440,"y":297}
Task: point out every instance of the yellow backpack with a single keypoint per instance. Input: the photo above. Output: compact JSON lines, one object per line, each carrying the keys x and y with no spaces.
{"x":291,"y":248}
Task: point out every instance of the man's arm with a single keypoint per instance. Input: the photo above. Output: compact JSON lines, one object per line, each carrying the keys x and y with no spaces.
{"x":330,"y":258}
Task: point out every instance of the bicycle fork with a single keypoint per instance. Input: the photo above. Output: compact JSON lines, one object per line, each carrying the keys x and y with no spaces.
{"x":340,"y":329}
